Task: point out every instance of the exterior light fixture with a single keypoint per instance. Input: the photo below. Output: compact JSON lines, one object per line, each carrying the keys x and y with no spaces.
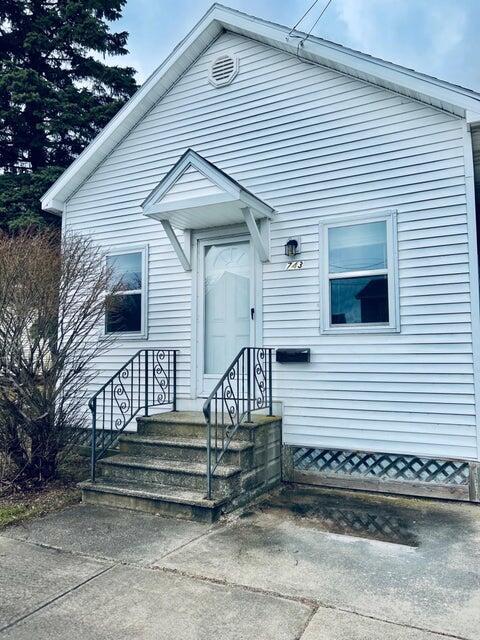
{"x":292,"y":248}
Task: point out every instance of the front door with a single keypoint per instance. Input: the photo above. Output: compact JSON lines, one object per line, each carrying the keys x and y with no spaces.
{"x":226,"y":305}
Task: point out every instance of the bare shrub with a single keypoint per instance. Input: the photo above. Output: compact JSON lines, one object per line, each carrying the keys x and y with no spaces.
{"x":52,"y":303}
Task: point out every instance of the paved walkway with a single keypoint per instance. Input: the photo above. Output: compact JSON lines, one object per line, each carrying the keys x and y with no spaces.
{"x":303,"y":565}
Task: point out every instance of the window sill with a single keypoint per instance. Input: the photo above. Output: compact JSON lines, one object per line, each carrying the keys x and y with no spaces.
{"x":124,"y":336}
{"x":350,"y":329}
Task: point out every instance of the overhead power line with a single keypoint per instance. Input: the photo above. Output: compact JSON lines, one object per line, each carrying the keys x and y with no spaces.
{"x":304,"y":15}
{"x":329,"y":2}
{"x":318,"y":19}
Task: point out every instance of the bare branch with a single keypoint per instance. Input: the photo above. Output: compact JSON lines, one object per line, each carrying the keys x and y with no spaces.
{"x":52,"y":305}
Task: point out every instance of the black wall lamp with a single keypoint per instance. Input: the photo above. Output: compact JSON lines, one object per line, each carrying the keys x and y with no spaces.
{"x":292,"y":248}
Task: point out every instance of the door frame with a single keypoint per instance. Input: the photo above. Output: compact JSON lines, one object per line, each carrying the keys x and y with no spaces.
{"x":199,"y":239}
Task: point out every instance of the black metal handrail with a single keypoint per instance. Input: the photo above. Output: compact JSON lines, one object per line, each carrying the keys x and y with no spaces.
{"x":246,"y":386}
{"x":148,"y":379}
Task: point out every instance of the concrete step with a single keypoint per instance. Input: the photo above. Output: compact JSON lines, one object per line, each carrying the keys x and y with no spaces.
{"x":191,"y":424}
{"x":154,"y":499}
{"x":239,"y":453}
{"x":188,"y":475}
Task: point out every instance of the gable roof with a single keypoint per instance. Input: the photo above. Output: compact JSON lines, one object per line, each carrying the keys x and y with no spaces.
{"x":193,"y":195}
{"x":437,"y":93}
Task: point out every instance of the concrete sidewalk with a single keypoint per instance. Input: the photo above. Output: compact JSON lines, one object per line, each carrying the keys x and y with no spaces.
{"x":306,"y":565}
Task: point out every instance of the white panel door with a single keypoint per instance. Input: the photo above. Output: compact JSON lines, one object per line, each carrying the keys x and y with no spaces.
{"x":226,"y":318}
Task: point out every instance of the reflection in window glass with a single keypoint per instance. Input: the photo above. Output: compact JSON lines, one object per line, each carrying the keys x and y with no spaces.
{"x":359,"y":247}
{"x":127,"y":270}
{"x":124,"y":313}
{"x":124,"y":307}
{"x":359,"y":300}
{"x":358,"y":273}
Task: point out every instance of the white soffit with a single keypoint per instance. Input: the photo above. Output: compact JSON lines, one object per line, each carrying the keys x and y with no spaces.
{"x":438,"y":93}
{"x":195,"y":194}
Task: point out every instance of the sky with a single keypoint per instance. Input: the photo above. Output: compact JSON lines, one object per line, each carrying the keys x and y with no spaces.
{"x":438,"y":37}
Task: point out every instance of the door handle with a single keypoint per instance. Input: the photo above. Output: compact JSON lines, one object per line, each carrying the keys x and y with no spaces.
{"x":252,"y":313}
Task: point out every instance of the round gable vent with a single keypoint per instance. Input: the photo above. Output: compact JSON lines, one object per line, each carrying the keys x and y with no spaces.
{"x":223,"y":70}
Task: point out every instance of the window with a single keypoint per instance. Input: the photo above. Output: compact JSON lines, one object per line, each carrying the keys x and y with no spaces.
{"x":126,"y":307}
{"x":359,"y":288}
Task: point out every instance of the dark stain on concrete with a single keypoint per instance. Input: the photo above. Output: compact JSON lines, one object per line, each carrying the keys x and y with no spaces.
{"x":396,"y":521}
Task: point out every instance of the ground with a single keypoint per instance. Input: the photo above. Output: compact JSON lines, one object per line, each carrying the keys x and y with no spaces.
{"x":301,"y":564}
{"x":21,"y":506}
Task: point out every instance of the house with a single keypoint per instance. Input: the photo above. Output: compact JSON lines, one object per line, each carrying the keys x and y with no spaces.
{"x":295,"y":225}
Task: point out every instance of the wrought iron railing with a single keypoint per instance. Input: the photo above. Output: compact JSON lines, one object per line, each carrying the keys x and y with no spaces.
{"x":246,"y":386}
{"x":148,"y":379}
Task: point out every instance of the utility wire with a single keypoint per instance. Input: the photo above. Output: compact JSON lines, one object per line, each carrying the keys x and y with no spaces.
{"x":316,"y":21}
{"x":301,"y":40}
{"x":304,"y":15}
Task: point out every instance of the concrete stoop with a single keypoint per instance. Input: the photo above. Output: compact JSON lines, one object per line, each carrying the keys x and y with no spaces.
{"x":161,"y":469}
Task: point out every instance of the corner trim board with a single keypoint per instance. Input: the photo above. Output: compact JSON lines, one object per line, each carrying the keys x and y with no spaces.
{"x":473,"y":268}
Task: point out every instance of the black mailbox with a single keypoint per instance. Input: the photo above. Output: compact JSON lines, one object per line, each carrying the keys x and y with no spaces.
{"x":292,"y":355}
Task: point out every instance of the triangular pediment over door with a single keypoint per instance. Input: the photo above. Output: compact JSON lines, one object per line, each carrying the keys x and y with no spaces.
{"x":196,"y":194}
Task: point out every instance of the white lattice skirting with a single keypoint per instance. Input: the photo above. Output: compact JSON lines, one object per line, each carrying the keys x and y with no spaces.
{"x":382,"y":472}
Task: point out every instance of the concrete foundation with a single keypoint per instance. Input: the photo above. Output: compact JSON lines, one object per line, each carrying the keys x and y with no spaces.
{"x":474,"y":482}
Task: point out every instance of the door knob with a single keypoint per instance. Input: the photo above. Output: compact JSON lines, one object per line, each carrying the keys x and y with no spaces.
{"x":252,"y":313}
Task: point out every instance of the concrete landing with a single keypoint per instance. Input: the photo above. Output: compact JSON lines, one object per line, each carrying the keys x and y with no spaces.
{"x":301,"y":565}
{"x":428,"y":579}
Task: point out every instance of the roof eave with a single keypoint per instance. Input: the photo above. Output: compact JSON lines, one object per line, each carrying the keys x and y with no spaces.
{"x":346,"y":60}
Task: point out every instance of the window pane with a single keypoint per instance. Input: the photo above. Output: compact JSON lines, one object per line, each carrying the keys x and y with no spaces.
{"x":359,"y":300}
{"x":127,"y":270}
{"x":124,"y":313}
{"x":358,"y":247}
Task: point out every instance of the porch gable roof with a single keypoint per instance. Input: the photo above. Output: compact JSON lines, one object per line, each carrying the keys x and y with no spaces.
{"x":196,"y":194}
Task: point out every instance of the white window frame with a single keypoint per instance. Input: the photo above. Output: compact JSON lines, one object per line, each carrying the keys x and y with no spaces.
{"x":390,"y":217}
{"x":143,"y":333}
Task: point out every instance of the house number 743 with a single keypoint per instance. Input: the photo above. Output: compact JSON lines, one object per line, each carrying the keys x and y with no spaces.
{"x":296,"y":264}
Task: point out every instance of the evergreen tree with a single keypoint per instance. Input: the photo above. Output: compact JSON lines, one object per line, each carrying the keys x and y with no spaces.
{"x":55,"y":93}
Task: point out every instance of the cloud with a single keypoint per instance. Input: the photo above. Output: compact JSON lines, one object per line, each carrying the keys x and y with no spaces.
{"x":416,"y":33}
{"x":360,"y":20}
{"x":437,"y":37}
{"x":449,"y":29}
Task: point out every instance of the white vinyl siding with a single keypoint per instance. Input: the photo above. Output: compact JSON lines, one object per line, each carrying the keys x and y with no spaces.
{"x":312,"y":142}
{"x":191,"y":184}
